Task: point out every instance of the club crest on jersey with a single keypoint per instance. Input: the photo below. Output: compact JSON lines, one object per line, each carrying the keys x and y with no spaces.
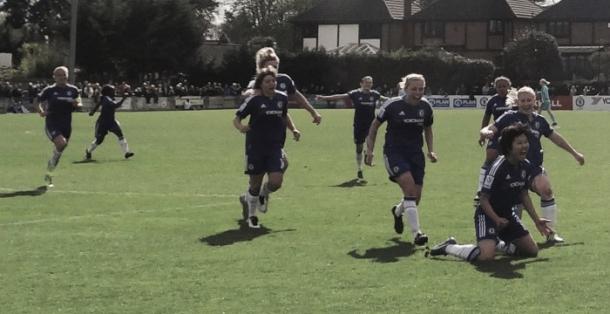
{"x":280,"y":104}
{"x":283,"y":86}
{"x":69,"y":93}
{"x":421,"y":113}
{"x":537,"y":125}
{"x":491,"y":230}
{"x":522,"y":174}
{"x":402,"y":113}
{"x":263,"y":106}
{"x":250,"y":166}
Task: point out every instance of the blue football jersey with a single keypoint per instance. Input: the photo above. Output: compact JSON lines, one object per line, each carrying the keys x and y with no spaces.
{"x":364,"y":104}
{"x":60,"y":100}
{"x":538,"y":127}
{"x":405,"y":124}
{"x":267,"y":120}
{"x":503,"y":184}
{"x":496,"y":106}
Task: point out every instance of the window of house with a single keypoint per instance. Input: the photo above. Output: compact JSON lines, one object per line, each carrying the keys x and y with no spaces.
{"x":558,"y":29}
{"x":496,"y":27}
{"x":310,"y":30}
{"x":369,"y":30}
{"x":434,"y":29}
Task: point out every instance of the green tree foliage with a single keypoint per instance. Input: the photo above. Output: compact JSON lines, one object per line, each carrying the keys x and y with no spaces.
{"x":250,"y":18}
{"x":39,"y":59}
{"x":113,"y":35}
{"x":531,"y":57}
{"x":600,"y":62}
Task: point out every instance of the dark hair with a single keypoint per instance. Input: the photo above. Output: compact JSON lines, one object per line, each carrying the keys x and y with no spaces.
{"x":108,"y":90}
{"x":258,"y":80}
{"x":509,"y":134}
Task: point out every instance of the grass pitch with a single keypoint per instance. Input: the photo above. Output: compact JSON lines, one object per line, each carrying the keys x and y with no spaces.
{"x":159,"y":233}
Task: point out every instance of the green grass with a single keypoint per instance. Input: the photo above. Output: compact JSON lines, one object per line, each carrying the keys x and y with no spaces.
{"x":159,"y":233}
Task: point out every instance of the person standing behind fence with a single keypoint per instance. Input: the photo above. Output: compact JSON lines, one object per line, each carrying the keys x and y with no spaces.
{"x":408,"y":117}
{"x":61,"y":99}
{"x":545,"y":100}
{"x":107,"y":122}
{"x":364,"y":101}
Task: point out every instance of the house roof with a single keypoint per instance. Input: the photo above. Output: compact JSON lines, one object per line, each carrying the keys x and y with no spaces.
{"x":397,"y":8}
{"x":346,"y":11}
{"x":362,"y":48}
{"x":478,"y":10}
{"x":577,"y":9}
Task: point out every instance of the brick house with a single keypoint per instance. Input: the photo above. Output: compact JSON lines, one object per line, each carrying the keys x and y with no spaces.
{"x":473,"y":28}
{"x":582,"y":28}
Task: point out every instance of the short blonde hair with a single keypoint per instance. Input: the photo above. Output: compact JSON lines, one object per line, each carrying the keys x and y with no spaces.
{"x":410,"y":78}
{"x":526,"y":90}
{"x":63,"y":68}
{"x":263,"y":55}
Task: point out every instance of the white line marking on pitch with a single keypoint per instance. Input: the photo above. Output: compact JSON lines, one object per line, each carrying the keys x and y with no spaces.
{"x":53,"y":190}
{"x":60,"y":219}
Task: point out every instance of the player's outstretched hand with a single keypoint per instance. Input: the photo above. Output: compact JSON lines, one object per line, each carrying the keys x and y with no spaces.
{"x":368,"y":159}
{"x":432,"y":156}
{"x":296,"y":135}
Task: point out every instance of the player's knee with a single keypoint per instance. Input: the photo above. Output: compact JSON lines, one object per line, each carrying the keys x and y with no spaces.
{"x":275,"y":184}
{"x":483,"y":254}
{"x":546,"y":193}
{"x":61,"y":145}
{"x":99,"y":140}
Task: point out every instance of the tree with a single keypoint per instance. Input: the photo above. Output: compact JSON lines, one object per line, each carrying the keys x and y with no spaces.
{"x":251,"y":18}
{"x":531,"y":57}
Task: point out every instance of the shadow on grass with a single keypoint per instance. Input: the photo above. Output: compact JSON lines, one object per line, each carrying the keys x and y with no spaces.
{"x":35,"y":192}
{"x":506,"y":267}
{"x":350,"y":184}
{"x":388,"y":254}
{"x":547,"y":245}
{"x":241,"y":234}
{"x":85,"y":161}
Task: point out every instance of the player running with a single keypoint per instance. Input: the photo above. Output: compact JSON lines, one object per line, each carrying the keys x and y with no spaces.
{"x":265,"y":137}
{"x":408,"y":117}
{"x":61,"y":99}
{"x":364,"y":101}
{"x":107,"y":122}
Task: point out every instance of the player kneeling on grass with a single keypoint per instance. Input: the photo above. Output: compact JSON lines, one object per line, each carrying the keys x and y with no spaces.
{"x":107,"y":123}
{"x":497,"y":226}
{"x":265,"y":137}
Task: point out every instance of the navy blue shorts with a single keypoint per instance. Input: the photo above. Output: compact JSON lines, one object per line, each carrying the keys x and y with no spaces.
{"x":54,"y":129}
{"x":361,"y":131}
{"x":397,"y":163}
{"x":485,"y":228}
{"x":264,"y":162}
{"x":103,"y":127}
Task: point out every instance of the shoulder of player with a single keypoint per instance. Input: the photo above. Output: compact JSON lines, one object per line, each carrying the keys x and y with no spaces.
{"x":498,"y":165}
{"x":392,"y":102}
{"x":283,"y":76}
